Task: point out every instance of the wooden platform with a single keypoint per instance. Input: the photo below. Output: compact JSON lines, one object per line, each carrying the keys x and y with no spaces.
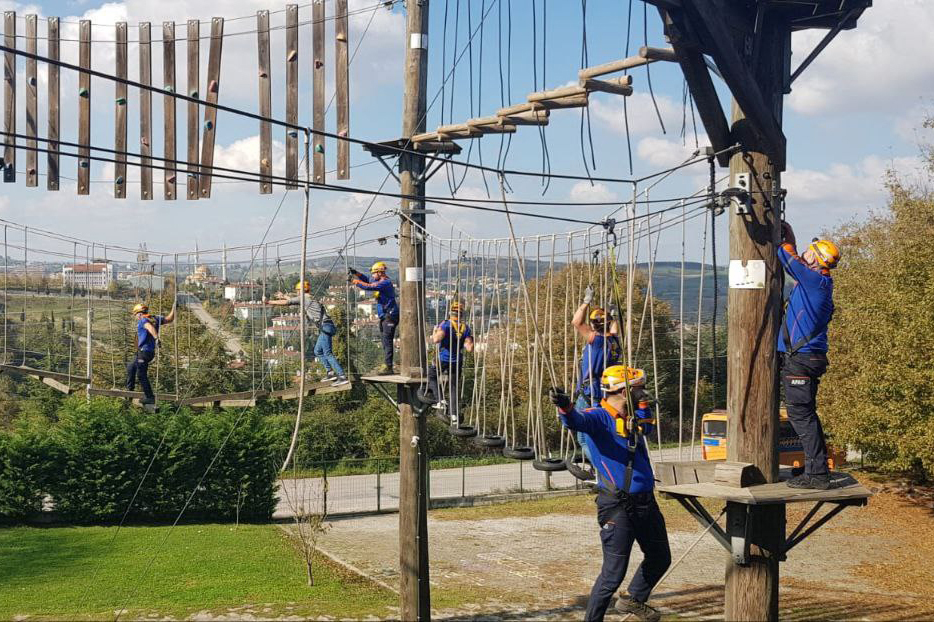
{"x":42,"y":373}
{"x":393,"y":147}
{"x":393,"y":379}
{"x":318,"y":388}
{"x":844,"y":489}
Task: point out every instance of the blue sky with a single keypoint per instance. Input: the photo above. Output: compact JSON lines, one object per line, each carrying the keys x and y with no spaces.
{"x":854,"y":113}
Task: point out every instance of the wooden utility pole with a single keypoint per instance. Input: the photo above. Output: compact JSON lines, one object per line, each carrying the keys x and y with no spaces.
{"x":413,"y":443}
{"x":754,"y":315}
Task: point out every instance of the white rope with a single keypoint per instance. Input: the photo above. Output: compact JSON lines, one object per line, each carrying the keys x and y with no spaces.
{"x":700,"y":304}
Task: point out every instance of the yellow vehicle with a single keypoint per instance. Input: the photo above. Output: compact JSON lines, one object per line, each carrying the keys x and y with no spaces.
{"x":790,"y":452}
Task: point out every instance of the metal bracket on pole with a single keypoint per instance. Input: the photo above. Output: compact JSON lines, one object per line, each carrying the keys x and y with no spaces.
{"x":702,"y":516}
{"x":738,"y":530}
{"x":429,"y":172}
{"x":388,"y":168}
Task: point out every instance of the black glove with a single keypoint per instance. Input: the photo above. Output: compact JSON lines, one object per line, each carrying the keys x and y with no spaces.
{"x":560,"y":399}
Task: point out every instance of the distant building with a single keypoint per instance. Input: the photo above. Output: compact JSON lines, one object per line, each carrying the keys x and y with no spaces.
{"x":145,"y":282}
{"x":249,"y":310}
{"x":366,"y":308}
{"x":89,"y":275}
{"x":241,"y":291}
{"x":203,"y":277}
{"x":286,"y":326}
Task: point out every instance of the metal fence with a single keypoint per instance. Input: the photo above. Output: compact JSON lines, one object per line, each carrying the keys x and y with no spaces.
{"x":372,"y":484}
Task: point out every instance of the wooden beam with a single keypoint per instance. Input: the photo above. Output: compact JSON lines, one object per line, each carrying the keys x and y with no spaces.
{"x":342,"y":86}
{"x":120,"y":109}
{"x":55,"y":384}
{"x":573,"y":101}
{"x":168,"y":101}
{"x":42,"y":373}
{"x":658,"y":54}
{"x":54,"y":85}
{"x":194,"y":78}
{"x":739,"y":77}
{"x":291,"y":91}
{"x":318,"y":102}
{"x":612,"y":67}
{"x":530,"y":117}
{"x":84,"y":107}
{"x":566,"y":91}
{"x":32,"y":105}
{"x":9,"y":98}
{"x":614,"y":86}
{"x":210,"y":399}
{"x":145,"y":112}
{"x":265,"y":100}
{"x":210,"y":113}
{"x":501,"y":128}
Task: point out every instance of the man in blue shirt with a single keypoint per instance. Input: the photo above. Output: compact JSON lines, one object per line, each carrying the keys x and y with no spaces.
{"x":626,"y":508}
{"x":601,"y":350}
{"x":387,"y":309}
{"x":147,"y":337}
{"x":452,"y":337}
{"x":803,"y":344}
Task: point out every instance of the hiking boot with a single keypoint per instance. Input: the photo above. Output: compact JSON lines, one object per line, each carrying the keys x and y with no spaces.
{"x":329,"y":377}
{"x":641,"y":610}
{"x":148,"y":401}
{"x":816,"y":482}
{"x":340,"y":380}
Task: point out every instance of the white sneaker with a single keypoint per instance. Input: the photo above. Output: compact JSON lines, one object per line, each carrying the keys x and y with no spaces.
{"x":440,"y":405}
{"x":329,"y":378}
{"x":340,"y":380}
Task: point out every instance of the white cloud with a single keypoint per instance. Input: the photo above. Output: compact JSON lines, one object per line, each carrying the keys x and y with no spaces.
{"x":663,"y":153}
{"x":875,"y":67}
{"x":642,"y":117}
{"x":584,"y":191}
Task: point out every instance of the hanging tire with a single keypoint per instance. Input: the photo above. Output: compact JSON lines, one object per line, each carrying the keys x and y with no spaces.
{"x":580,"y":473}
{"x":492,"y":441}
{"x":550,"y":465}
{"x":519,"y":453}
{"x":463,"y":431}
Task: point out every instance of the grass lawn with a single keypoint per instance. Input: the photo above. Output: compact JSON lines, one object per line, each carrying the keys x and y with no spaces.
{"x":77,"y":573}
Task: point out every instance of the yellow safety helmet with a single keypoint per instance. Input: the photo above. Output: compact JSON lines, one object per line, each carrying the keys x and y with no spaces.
{"x":379,"y":266}
{"x":826,"y":252}
{"x":140,"y":308}
{"x":618,"y":377}
{"x":303,"y":285}
{"x":598,"y":315}
{"x":455,"y":308}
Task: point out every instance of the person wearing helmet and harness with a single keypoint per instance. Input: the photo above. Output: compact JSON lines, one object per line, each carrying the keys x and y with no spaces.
{"x":387,"y":309}
{"x":147,"y":337}
{"x":601,"y":349}
{"x":452,"y":336}
{"x":802,"y":343}
{"x":316,"y":312}
{"x":626,"y":508}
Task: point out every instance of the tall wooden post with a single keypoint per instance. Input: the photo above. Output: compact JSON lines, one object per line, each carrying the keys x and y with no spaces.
{"x":754,"y":316}
{"x":413,"y":450}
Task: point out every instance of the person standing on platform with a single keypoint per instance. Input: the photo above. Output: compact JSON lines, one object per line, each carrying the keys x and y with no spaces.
{"x":387,"y":308}
{"x":147,"y":337}
{"x":802,"y":343}
{"x":627,"y":511}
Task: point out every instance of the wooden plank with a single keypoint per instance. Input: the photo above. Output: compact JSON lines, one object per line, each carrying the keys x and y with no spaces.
{"x":768,"y":494}
{"x":265,"y":99}
{"x":58,"y":386}
{"x":161,"y":397}
{"x":54,"y":86}
{"x":342,"y":86}
{"x":565,"y":91}
{"x":735,"y":474}
{"x":530,"y":117}
{"x":145,"y":111}
{"x":42,"y":373}
{"x":120,"y":110}
{"x":516,"y":109}
{"x":573,"y":101}
{"x":611,"y":86}
{"x":320,"y":388}
{"x":210,"y":113}
{"x":392,"y":379}
{"x":612,"y":67}
{"x":291,"y":92}
{"x":210,"y":399}
{"x":32,"y":105}
{"x":84,"y":107}
{"x":168,"y":116}
{"x":9,"y":98}
{"x":194,"y":77}
{"x":318,"y":74}
{"x":663,"y":54}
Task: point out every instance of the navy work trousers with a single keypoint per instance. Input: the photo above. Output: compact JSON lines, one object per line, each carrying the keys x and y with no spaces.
{"x":387,"y":332}
{"x":801,"y":373}
{"x":453,"y":371}
{"x":634,"y":518}
{"x":139,"y":368}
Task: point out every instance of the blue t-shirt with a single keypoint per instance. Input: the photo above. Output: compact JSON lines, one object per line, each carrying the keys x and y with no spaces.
{"x":593,"y":363}
{"x":609,"y":451}
{"x":384,"y":293}
{"x":455,"y":334}
{"x":810,"y":305}
{"x":144,"y":340}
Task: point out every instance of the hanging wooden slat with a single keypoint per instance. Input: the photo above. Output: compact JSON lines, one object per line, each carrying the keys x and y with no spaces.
{"x":120,"y":108}
{"x":614,"y":86}
{"x":145,"y":111}
{"x":194,"y":77}
{"x":567,"y":91}
{"x":168,"y":101}
{"x":528,"y":117}
{"x":317,"y":120}
{"x":84,"y":107}
{"x":210,"y":113}
{"x":32,"y":104}
{"x":291,"y":91}
{"x":342,"y":85}
{"x":9,"y":98}
{"x":265,"y":101}
{"x":54,"y":85}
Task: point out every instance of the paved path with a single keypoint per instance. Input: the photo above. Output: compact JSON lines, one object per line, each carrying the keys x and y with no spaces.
{"x":367,"y":493}
{"x":231,"y":343}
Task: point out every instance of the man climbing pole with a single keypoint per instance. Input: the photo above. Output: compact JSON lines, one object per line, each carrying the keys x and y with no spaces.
{"x":387,"y":308}
{"x":803,"y":345}
{"x":626,"y":506}
{"x":601,"y":350}
{"x":452,"y":337}
{"x":318,"y":315}
{"x":147,"y":337}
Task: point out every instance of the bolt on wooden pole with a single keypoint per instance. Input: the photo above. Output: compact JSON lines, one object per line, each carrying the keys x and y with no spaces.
{"x":413,"y":454}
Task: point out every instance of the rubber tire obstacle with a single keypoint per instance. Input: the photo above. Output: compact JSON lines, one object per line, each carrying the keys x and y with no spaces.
{"x":491,"y":441}
{"x":463,"y":431}
{"x":580,"y":473}
{"x":519,"y":452}
{"x":550,"y":465}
